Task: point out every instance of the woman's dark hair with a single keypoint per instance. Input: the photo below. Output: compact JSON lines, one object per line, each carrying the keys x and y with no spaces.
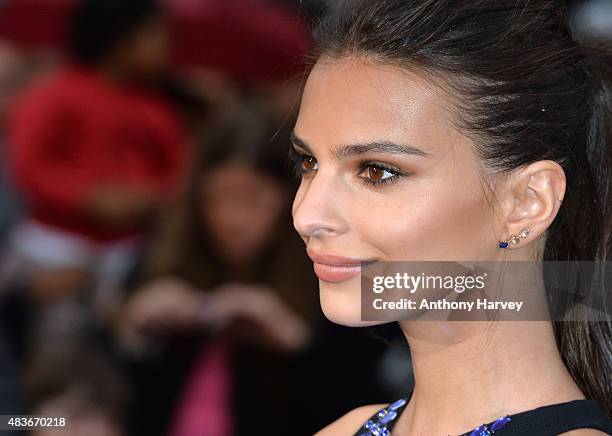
{"x":99,"y":26}
{"x":525,"y":90}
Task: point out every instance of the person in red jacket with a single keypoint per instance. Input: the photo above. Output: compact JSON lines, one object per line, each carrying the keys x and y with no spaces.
{"x":93,"y":149}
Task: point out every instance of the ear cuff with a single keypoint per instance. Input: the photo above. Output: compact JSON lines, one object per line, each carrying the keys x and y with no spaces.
{"x":514,"y":239}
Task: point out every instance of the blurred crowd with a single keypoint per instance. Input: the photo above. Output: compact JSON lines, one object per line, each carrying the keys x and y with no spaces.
{"x":151,"y":282}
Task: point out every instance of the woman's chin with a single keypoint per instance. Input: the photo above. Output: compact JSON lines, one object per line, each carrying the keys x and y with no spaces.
{"x":341,"y":303}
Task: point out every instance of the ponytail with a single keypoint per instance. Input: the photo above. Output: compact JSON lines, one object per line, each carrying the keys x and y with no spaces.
{"x":586,"y":346}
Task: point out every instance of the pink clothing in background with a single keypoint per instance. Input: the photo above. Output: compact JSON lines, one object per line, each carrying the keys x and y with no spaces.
{"x":204,"y":408}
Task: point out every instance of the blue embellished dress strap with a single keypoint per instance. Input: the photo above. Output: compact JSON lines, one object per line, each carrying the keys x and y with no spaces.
{"x":548,"y":420}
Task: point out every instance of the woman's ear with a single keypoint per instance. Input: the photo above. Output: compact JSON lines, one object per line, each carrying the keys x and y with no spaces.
{"x":534,"y":197}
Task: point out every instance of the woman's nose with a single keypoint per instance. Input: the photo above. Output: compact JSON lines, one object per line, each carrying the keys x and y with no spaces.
{"x":316,"y":208}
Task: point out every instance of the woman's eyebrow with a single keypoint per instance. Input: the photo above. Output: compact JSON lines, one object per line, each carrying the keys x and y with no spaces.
{"x":300,"y":143}
{"x":352,"y":150}
{"x":387,"y":147}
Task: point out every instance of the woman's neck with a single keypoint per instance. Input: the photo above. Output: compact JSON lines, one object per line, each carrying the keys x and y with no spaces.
{"x":470,"y":373}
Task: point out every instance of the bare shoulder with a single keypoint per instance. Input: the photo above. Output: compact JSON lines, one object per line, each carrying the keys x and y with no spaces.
{"x":350,"y":423}
{"x":584,"y":432}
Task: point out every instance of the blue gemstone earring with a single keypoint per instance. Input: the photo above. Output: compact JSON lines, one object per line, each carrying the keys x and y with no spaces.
{"x":514,"y":239}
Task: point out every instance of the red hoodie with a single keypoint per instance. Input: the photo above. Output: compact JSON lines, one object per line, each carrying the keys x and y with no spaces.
{"x":76,"y":131}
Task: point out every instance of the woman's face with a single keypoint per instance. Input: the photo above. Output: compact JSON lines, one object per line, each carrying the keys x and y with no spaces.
{"x":385,"y":177}
{"x":146,"y":53}
{"x":240,"y":206}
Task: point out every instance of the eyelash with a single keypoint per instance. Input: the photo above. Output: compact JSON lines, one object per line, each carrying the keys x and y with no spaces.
{"x":298,"y":160}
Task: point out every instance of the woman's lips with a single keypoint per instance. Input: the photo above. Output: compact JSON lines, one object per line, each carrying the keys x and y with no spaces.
{"x":334,"y":273}
{"x":331,"y":268}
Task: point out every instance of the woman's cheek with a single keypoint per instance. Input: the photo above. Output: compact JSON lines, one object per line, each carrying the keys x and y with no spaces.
{"x":436,"y":226}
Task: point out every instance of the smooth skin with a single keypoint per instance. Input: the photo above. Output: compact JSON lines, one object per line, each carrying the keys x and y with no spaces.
{"x":387,"y":175}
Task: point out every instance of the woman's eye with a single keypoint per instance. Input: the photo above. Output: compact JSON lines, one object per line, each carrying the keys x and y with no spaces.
{"x":309,"y":163}
{"x":302,"y":163}
{"x":377,"y":174}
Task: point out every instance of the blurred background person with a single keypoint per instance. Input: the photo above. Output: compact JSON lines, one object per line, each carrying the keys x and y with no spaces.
{"x":224,"y":297}
{"x":94,"y":151}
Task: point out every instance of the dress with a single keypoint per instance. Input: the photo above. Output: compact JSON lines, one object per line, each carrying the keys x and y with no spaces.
{"x":548,"y":420}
